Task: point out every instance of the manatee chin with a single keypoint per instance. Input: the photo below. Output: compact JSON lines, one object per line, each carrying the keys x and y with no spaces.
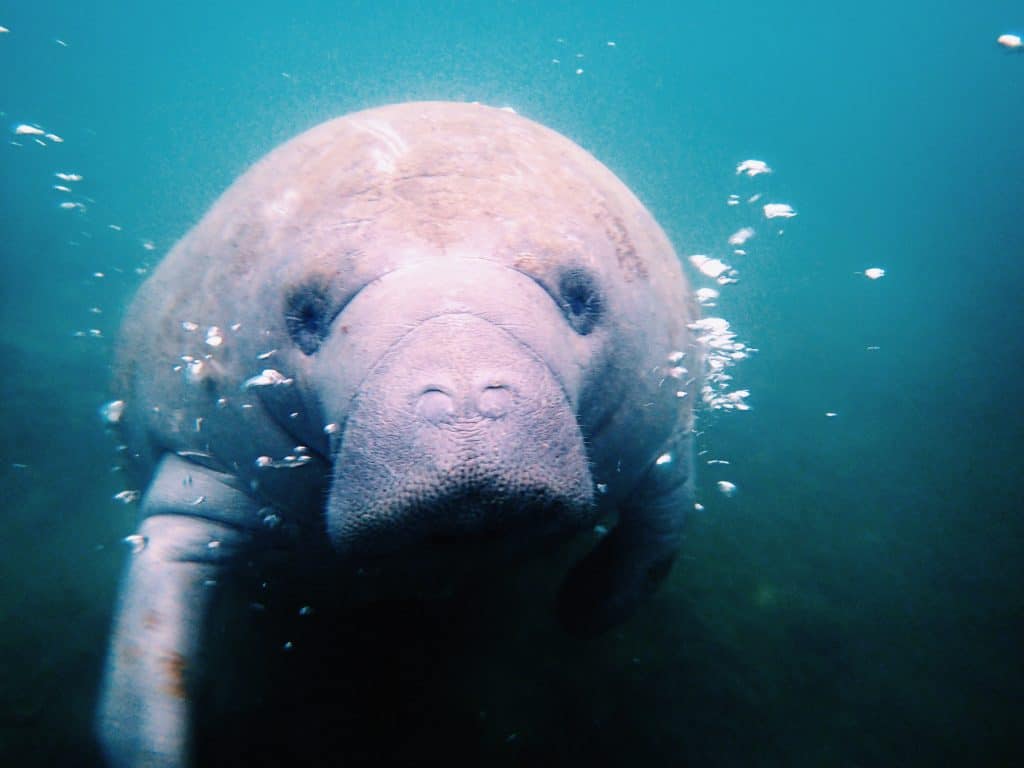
{"x":469,"y":449}
{"x":448,"y":524}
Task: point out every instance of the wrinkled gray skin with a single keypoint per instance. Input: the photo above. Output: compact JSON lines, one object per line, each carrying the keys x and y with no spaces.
{"x":487,"y":323}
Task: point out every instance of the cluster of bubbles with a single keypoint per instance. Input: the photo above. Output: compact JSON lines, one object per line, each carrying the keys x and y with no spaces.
{"x":68,"y":184}
{"x":721,"y":348}
{"x":577,"y":59}
{"x":721,"y":352}
{"x":718,"y":341}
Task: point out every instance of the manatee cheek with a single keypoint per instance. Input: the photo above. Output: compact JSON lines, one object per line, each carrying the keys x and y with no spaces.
{"x":460,"y":438}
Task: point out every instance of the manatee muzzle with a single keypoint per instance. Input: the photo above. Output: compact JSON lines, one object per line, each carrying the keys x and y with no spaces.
{"x":459,"y":439}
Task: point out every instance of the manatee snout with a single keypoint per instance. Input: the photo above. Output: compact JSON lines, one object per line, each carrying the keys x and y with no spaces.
{"x":461,"y":438}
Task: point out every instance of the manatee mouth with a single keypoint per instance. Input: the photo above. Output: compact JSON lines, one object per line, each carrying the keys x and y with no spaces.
{"x":481,"y":520}
{"x":462,"y":443}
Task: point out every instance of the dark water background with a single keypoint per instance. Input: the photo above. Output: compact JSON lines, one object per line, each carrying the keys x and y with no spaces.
{"x":859,"y":601}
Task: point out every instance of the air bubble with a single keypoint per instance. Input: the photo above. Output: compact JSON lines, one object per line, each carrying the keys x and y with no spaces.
{"x":111,"y":412}
{"x":137,"y":542}
{"x":728,"y":489}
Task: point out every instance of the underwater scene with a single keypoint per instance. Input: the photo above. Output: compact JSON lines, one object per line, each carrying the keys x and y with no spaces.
{"x":833,"y":344}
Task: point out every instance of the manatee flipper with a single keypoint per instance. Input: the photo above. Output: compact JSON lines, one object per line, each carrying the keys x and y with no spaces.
{"x":632,"y":561}
{"x":145,"y":709}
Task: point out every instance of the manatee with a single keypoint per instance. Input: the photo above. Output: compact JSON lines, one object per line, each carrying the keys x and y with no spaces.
{"x":429,"y":339}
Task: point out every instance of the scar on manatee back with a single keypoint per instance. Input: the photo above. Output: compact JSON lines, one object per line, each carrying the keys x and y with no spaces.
{"x":174,"y":667}
{"x":625,"y":252}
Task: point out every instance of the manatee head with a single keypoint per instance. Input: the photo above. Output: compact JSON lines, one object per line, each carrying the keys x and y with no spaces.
{"x":455,"y":323}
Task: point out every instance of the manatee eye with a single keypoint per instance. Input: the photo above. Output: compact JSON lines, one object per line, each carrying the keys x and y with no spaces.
{"x":581,"y":300}
{"x":308,"y":315}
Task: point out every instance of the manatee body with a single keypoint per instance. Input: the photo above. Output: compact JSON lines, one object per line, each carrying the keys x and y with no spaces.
{"x":437,"y":336}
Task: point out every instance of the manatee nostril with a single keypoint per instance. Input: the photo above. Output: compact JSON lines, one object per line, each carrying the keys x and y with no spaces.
{"x":494,"y":401}
{"x":434,"y":405}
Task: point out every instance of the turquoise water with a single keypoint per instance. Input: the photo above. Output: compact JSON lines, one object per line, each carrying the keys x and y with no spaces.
{"x":859,"y":601}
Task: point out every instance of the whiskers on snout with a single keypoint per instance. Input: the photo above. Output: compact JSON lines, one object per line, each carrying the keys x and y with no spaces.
{"x":474,"y":526}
